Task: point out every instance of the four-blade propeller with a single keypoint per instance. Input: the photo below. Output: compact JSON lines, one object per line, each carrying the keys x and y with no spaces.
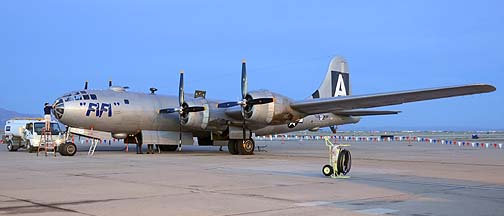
{"x":247,"y":101}
{"x":184,"y":109}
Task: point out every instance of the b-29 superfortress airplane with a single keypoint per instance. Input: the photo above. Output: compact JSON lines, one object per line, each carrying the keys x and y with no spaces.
{"x":170,"y":121}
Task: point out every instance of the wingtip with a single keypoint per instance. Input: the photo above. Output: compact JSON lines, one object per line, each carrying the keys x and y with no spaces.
{"x":492,"y":88}
{"x":486,"y":87}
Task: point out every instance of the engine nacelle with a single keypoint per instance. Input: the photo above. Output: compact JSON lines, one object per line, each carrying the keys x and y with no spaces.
{"x":196,"y":120}
{"x":276,"y":112}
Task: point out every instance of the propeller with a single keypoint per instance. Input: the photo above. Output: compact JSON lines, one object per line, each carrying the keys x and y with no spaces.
{"x":247,"y":101}
{"x":184,"y":109}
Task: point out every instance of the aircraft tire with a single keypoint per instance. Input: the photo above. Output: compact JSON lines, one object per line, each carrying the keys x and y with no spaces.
{"x":60,"y":149}
{"x":67,"y":149}
{"x":168,"y":147}
{"x":246,"y":147}
{"x":11,"y":147}
{"x":233,"y":147}
{"x":344,"y":162}
{"x":327,"y":170}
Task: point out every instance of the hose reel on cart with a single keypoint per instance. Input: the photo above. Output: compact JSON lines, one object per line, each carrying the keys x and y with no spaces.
{"x":340,"y":160}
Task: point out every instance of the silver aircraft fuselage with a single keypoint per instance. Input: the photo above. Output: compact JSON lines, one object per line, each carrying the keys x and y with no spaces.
{"x":120,"y":111}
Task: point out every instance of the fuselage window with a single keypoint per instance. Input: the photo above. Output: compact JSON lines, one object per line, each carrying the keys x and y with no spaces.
{"x":86,"y":97}
{"x":93,"y":96}
{"x":7,"y":128}
{"x":126,"y":101}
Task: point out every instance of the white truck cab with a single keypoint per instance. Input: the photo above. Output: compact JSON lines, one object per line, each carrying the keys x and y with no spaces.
{"x":26,"y":133}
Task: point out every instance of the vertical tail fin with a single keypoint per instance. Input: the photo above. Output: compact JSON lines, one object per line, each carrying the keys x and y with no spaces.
{"x":337,"y":80}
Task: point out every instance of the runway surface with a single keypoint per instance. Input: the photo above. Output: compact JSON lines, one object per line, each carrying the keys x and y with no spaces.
{"x":394,"y":178}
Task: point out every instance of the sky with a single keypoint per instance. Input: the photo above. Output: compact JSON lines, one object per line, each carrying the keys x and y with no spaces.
{"x":51,"y":47}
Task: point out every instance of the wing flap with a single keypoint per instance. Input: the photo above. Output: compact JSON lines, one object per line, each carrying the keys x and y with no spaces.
{"x":335,"y":104}
{"x":365,"y":112}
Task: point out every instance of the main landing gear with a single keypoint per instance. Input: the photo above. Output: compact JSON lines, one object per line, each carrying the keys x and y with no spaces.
{"x":241,"y":147}
{"x":67,"y":149}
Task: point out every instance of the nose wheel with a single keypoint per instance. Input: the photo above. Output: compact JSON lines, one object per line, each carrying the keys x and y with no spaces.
{"x":67,"y":149}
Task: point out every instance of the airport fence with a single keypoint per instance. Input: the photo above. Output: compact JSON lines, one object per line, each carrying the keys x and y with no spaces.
{"x":416,"y":139}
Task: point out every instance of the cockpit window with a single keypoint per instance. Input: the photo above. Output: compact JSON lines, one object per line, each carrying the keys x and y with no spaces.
{"x":83,"y":92}
{"x":68,"y":99}
{"x":77,"y":97}
{"x":93,"y":96}
{"x":86,"y":97}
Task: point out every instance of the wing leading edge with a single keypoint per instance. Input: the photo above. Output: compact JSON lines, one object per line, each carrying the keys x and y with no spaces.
{"x":346,"y":103}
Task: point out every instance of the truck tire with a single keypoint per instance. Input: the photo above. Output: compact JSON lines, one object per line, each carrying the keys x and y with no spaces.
{"x":67,"y":149}
{"x":29,"y":147}
{"x":11,"y":147}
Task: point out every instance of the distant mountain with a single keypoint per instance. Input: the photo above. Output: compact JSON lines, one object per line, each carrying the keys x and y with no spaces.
{"x":7,"y":114}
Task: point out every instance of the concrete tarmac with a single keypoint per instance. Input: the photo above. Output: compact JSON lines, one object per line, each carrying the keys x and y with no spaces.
{"x":394,"y":178}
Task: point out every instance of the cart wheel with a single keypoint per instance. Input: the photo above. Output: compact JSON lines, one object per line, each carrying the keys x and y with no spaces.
{"x":327,"y":170}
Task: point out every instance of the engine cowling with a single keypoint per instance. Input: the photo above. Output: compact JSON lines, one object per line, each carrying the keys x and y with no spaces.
{"x":276,"y":112}
{"x":196,"y":120}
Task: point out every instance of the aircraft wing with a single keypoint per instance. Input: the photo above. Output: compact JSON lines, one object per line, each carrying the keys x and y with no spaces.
{"x":335,"y":104}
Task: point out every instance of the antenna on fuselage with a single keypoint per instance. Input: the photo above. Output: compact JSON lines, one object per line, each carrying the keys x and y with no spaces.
{"x":110,"y":83}
{"x":85,"y":85}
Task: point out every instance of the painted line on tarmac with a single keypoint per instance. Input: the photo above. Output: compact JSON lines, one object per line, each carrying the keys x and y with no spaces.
{"x":377,"y":211}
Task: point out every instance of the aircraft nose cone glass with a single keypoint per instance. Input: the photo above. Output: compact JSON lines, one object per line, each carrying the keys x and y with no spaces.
{"x":58,"y":108}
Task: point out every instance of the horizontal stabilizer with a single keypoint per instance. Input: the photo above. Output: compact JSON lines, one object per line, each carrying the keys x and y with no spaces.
{"x":365,"y":112}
